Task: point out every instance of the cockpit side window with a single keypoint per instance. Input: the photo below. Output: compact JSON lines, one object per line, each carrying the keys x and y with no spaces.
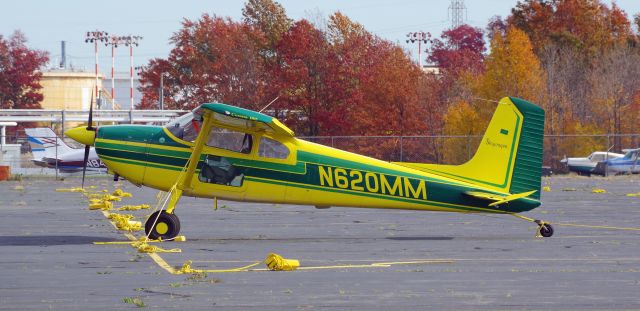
{"x":230,"y":140}
{"x":186,"y":127}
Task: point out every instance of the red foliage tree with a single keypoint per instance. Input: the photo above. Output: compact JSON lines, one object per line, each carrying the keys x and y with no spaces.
{"x":215,"y":60}
{"x":306,"y":81}
{"x":461,"y":49}
{"x":20,"y":73}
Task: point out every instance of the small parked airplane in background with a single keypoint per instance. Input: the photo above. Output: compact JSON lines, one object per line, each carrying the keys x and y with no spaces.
{"x":222,"y":151}
{"x":587,"y":166}
{"x":627,"y":164}
{"x":48,"y":149}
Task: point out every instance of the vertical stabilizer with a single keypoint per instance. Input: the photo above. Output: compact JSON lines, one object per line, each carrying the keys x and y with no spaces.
{"x":509,"y":158}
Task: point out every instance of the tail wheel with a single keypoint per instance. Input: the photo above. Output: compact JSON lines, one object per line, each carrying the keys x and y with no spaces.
{"x":546,"y":230}
{"x":167,"y":226}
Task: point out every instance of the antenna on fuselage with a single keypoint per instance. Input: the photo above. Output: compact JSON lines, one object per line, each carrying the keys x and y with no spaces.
{"x":269,"y":104}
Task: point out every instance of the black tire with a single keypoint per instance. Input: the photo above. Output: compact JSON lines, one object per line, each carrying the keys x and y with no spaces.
{"x":166,"y":227}
{"x":546,"y":230}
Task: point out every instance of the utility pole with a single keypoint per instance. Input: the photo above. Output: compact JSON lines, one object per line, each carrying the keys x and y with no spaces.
{"x":458,"y":13}
{"x":95,"y":37}
{"x":420,"y":37}
{"x":130,"y":41}
{"x":161,"y":95}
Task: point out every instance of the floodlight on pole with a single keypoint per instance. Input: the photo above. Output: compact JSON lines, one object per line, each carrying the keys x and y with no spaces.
{"x":113,"y":41}
{"x":130,"y":41}
{"x":95,"y":37}
{"x":420,"y":37}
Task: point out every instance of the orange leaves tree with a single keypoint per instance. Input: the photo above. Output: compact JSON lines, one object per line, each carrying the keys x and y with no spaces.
{"x":338,"y":81}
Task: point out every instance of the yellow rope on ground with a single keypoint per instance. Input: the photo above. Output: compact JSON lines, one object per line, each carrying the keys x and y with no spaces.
{"x":180,"y":238}
{"x":275,"y":262}
{"x":124,"y":222}
{"x":122,"y":194}
{"x":134,"y":207}
{"x":100,"y":204}
{"x":144,"y":247}
{"x":596,"y":227}
{"x":71,"y":190}
{"x":574,"y":225}
{"x":596,"y":190}
{"x":546,"y":188}
{"x":103,"y":197}
{"x":186,"y":268}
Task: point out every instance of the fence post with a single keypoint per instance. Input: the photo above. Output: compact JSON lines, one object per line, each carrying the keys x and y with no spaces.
{"x":56,"y":157}
{"x":332,"y":145}
{"x":401,"y":149}
{"x":468,"y":147}
{"x":63,"y":120}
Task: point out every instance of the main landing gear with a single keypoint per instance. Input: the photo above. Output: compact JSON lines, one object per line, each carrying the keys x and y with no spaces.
{"x":162,"y":225}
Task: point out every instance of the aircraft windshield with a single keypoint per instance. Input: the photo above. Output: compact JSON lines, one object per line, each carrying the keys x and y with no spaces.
{"x":629,"y":155}
{"x":186,"y":127}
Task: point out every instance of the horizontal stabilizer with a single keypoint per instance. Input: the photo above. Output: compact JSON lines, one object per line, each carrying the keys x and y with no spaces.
{"x":498,"y":199}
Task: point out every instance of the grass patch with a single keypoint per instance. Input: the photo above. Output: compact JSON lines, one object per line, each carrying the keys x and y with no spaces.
{"x":134,"y":301}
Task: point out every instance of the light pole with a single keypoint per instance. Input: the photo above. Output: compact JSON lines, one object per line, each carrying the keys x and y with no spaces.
{"x":95,"y":37}
{"x":113,"y":41}
{"x":130,"y":41}
{"x":420,"y":37}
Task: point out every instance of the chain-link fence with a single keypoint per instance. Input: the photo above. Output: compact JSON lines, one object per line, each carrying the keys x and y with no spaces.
{"x":24,"y":154}
{"x":459,"y":149}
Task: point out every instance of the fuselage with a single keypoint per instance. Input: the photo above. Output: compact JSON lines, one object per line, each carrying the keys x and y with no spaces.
{"x":311,"y":174}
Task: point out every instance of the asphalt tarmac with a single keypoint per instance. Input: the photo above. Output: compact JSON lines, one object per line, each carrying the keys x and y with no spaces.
{"x":48,"y":259}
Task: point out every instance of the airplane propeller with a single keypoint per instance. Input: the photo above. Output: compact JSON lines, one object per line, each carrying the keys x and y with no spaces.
{"x":87,"y":148}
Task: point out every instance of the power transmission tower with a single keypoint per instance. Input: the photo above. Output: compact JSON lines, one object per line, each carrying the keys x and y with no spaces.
{"x":458,"y":13}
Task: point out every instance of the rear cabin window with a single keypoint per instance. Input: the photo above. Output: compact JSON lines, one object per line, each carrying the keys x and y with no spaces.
{"x":597,"y":158}
{"x":230,"y":140}
{"x":274,"y":149}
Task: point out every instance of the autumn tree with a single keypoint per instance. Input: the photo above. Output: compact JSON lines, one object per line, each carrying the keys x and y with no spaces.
{"x":511,"y":69}
{"x":462,"y":122}
{"x":215,"y":60}
{"x":304,"y":81}
{"x":270,"y":19}
{"x":459,"y":49}
{"x":586,"y":24}
{"x":614,"y":84}
{"x":20,"y":73}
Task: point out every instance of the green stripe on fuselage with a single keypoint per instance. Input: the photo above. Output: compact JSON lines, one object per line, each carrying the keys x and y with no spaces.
{"x":308,"y":175}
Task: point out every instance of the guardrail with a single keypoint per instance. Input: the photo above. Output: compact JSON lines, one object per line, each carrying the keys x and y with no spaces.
{"x":61,"y":116}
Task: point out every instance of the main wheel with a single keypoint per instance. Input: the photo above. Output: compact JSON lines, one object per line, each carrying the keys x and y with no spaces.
{"x":166,"y":227}
{"x":546,"y":230}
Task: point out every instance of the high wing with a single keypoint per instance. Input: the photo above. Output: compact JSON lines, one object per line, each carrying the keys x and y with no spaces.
{"x":245,"y":119}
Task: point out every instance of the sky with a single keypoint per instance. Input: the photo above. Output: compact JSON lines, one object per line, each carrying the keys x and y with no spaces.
{"x":46,"y":23}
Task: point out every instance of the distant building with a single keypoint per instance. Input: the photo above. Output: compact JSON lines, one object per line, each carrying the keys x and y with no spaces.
{"x":72,"y":90}
{"x":67,"y":89}
{"x":431,"y":69}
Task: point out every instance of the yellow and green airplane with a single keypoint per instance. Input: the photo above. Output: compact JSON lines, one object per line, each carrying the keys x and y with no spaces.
{"x":226,"y":152}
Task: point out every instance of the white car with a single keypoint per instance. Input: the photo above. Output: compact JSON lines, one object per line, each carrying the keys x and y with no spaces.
{"x":587,"y":166}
